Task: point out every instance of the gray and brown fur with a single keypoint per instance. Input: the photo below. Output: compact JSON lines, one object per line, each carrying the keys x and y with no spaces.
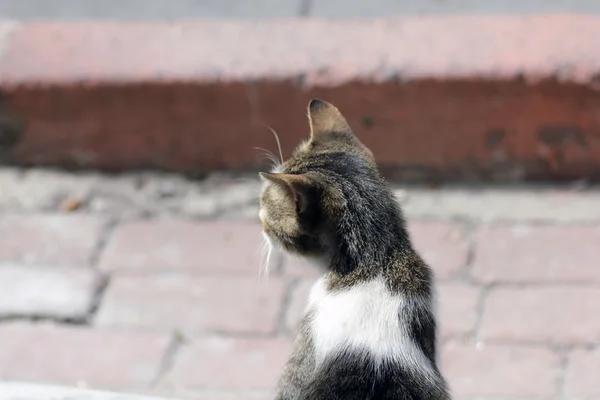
{"x":329,"y":202}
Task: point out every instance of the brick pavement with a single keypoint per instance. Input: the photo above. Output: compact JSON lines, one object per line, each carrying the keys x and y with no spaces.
{"x":167,"y":303}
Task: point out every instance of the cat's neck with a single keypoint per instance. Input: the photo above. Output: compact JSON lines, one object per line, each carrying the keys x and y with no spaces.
{"x":405,"y":272}
{"x":370,"y":249}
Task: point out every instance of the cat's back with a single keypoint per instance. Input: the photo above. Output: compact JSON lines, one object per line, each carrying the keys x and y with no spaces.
{"x":361,"y":336}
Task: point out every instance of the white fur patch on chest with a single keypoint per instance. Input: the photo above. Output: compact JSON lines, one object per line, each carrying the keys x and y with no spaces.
{"x":366,"y":317}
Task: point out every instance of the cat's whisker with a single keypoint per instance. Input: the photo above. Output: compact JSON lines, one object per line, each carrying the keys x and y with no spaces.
{"x":274,"y":161}
{"x":266,"y":252}
{"x":265,"y":150}
{"x":278,"y":142}
{"x":262,"y":253}
{"x":269,"y":156}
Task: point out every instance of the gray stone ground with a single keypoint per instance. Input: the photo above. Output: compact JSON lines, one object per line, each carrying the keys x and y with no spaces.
{"x":177,"y":9}
{"x":234,"y":196}
{"x":149,"y":283}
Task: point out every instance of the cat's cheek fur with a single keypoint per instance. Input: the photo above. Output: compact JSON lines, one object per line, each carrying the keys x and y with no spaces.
{"x":261,"y":215}
{"x":366,"y":317}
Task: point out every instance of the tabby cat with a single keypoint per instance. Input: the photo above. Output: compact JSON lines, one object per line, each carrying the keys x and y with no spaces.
{"x":369,"y":330}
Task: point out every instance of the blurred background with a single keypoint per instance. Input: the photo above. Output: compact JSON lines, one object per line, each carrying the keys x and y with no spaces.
{"x":159,"y":10}
{"x":132,"y":131}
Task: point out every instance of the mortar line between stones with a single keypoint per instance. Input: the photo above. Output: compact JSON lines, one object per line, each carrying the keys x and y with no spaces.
{"x":103,"y":238}
{"x":37,"y":318}
{"x":167,"y":361}
{"x":563,"y":354}
{"x":480,"y":311}
{"x":472,"y":227}
{"x":97,"y":298}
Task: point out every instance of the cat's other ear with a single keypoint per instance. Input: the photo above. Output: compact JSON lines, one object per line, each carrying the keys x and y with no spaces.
{"x":324,"y":118}
{"x":295,"y":186}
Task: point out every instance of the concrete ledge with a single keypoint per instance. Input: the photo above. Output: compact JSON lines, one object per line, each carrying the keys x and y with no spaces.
{"x":442,"y":98}
{"x":26,"y":391}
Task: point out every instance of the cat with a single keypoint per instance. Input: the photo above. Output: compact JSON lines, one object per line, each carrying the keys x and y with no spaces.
{"x":369,"y":331}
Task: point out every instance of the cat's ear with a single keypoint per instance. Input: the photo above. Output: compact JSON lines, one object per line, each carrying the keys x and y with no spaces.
{"x":324,"y":118}
{"x":296,"y":186}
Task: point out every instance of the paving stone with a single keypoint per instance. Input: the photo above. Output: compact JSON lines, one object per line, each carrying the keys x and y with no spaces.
{"x":497,"y":371}
{"x":49,"y":239}
{"x":79,"y":355}
{"x":11,"y":339}
{"x":443,"y":245}
{"x":33,"y":391}
{"x":170,"y":391}
{"x":457,"y":304}
{"x":58,"y":292}
{"x":582,"y":375}
{"x":178,"y":275}
{"x":524,"y":253}
{"x":514,"y":203}
{"x":181,"y":245}
{"x":564,"y":315}
{"x":193,"y":304}
{"x":250,"y":364}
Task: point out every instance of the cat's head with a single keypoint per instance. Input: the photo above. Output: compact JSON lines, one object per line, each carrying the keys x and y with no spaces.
{"x":321,"y":190}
